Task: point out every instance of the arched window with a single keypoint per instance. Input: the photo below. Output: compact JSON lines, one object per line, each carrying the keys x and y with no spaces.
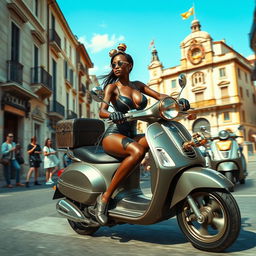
{"x":198,"y":79}
{"x":201,"y":122}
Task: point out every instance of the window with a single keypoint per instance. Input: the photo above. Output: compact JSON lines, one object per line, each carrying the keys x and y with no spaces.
{"x":198,"y":78}
{"x":74,"y":105}
{"x":247,"y":93}
{"x":70,"y":52}
{"x":222,"y":72}
{"x":54,"y":79}
{"x":67,"y":101}
{"x":65,"y":69}
{"x":199,"y":96}
{"x":241,"y":92}
{"x":254,"y":99}
{"x":246,"y":77}
{"x":224,"y":92}
{"x":226,"y":116}
{"x":36,"y":7}
{"x":243,"y":116}
{"x":71,"y":76}
{"x":65,"y":44}
{"x":173,"y":82}
{"x":239,"y":72}
{"x":15,"y":43}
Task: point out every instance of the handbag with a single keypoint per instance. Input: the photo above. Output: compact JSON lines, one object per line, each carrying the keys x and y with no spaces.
{"x":19,"y":159}
{"x":4,"y":161}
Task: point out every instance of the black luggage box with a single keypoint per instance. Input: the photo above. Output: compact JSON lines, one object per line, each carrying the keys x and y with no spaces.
{"x":74,"y":133}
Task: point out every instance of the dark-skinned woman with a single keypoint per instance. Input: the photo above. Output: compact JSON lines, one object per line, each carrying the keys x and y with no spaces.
{"x":120,"y":139}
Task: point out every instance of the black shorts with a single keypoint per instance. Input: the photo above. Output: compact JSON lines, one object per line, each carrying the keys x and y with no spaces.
{"x":35,"y":164}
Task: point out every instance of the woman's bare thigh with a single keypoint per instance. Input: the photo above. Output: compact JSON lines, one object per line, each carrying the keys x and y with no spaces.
{"x":119,"y":145}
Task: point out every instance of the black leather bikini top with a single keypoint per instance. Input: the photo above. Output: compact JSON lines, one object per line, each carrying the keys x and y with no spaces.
{"x":124,"y":104}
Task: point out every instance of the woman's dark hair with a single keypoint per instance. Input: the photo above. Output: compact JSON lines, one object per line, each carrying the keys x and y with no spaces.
{"x":33,"y":138}
{"x":45,"y":142}
{"x":110,"y":77}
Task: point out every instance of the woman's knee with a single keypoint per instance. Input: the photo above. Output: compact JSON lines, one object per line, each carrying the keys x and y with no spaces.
{"x":137,"y":151}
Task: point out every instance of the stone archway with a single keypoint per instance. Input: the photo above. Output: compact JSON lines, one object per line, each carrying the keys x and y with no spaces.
{"x":201,"y":122}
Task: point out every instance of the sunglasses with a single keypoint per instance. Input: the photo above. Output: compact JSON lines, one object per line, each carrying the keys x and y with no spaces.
{"x":10,"y":136}
{"x":120,"y":63}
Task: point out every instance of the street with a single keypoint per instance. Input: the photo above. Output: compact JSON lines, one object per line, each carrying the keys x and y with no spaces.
{"x":29,"y":225}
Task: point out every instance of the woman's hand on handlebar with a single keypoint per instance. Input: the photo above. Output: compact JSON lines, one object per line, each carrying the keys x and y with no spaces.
{"x":117,"y":117}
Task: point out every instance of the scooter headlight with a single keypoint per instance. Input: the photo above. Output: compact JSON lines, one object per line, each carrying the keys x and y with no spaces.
{"x":169,"y":108}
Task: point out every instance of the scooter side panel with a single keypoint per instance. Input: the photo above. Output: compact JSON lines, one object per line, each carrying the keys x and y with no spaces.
{"x":198,"y":177}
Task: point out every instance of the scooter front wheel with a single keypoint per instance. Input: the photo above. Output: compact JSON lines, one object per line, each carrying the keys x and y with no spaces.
{"x":82,"y":229}
{"x":220,"y":224}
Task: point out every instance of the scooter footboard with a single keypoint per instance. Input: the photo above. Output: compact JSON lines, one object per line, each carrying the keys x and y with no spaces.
{"x":198,"y":177}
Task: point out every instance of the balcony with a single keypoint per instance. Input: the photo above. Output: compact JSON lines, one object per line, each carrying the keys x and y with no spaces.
{"x":81,"y":68}
{"x":71,"y":114}
{"x":41,"y":82}
{"x":55,"y":41}
{"x":14,"y":72}
{"x":56,"y":110}
{"x":82,"y":90}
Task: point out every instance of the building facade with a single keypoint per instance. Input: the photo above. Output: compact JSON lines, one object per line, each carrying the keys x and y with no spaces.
{"x":43,"y":71}
{"x":219,"y":84}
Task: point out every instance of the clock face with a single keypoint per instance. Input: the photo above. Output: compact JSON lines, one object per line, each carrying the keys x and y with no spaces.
{"x":195,"y":54}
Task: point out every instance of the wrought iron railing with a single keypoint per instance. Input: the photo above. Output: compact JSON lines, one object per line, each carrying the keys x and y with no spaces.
{"x":54,"y":37}
{"x":71,"y":114}
{"x":40,"y":76}
{"x":14,"y":71}
{"x":56,"y":107}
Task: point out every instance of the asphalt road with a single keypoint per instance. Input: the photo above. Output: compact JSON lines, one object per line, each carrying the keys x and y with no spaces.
{"x":29,"y":225}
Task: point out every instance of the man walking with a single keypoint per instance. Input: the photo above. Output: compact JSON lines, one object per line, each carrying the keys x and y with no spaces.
{"x":8,"y":152}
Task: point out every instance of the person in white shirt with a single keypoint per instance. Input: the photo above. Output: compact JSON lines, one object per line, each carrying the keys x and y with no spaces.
{"x":50,"y":161}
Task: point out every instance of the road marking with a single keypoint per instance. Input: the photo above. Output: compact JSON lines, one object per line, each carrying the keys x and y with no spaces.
{"x":4,"y":195}
{"x":244,"y":195}
{"x":49,"y":225}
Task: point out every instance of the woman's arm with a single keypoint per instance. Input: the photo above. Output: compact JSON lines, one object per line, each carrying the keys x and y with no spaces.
{"x":30,"y":151}
{"x":150,"y":92}
{"x":108,"y":93}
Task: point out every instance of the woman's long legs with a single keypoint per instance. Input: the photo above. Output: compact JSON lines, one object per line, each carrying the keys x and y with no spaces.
{"x":121,"y":146}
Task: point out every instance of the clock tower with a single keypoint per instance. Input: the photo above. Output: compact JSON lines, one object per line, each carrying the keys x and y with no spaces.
{"x":196,"y":48}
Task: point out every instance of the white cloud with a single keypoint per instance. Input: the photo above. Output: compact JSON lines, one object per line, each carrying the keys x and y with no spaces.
{"x":100,"y":42}
{"x":93,"y":71}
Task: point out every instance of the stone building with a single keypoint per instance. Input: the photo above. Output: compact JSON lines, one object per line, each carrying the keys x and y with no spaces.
{"x":43,"y":71}
{"x":252,"y":38}
{"x":219,"y":83}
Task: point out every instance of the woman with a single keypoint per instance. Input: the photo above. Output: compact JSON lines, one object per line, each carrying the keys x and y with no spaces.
{"x":34,"y":151}
{"x":120,"y":139}
{"x":50,"y":161}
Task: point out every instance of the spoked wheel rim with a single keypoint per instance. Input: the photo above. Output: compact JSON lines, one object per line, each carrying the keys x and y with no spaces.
{"x":214,"y":223}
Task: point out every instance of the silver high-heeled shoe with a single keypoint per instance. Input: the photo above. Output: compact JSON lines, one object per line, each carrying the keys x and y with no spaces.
{"x":101,"y":211}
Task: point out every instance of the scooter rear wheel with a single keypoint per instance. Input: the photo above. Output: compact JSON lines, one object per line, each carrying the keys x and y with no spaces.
{"x":82,"y":229}
{"x":221,"y":220}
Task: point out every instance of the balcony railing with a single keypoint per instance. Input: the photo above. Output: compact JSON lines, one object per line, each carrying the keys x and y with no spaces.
{"x":71,"y":114}
{"x":41,"y":76}
{"x":54,"y":37}
{"x":56,"y":107}
{"x":82,"y":89}
{"x":14,"y":71}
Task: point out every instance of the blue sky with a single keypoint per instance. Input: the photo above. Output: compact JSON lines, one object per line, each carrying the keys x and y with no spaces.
{"x":101,"y":25}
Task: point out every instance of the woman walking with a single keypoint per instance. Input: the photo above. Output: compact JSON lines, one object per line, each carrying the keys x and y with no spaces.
{"x":50,"y":161}
{"x":34,"y":151}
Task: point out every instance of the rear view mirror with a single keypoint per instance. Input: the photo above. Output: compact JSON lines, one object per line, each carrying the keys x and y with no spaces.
{"x":182,"y":80}
{"x":97,"y":94}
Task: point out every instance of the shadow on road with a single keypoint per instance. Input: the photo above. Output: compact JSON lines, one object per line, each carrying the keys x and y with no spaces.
{"x":164,"y":233}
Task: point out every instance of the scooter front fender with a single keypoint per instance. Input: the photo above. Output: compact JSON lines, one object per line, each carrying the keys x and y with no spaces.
{"x":227,"y":167}
{"x":198,"y":177}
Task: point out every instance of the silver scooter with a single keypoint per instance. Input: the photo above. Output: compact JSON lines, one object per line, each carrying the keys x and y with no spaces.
{"x":226,"y":155}
{"x":181,"y":186}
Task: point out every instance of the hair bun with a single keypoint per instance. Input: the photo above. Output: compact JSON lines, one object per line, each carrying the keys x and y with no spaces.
{"x":122,"y":47}
{"x":112,"y":53}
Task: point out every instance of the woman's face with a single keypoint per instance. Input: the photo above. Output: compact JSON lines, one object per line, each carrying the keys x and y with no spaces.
{"x":120,"y":66}
{"x":49,"y":142}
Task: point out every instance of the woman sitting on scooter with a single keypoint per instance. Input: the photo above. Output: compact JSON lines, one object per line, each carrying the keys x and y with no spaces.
{"x":120,"y":139}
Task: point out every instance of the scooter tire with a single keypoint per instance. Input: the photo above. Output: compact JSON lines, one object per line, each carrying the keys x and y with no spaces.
{"x":242,"y":181}
{"x":221,"y":225}
{"x":82,"y":229}
{"x":230,"y":176}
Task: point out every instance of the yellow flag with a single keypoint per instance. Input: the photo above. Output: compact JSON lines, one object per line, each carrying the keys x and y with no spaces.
{"x":187,"y":14}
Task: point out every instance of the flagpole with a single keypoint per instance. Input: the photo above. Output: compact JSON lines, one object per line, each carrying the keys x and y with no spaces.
{"x":194,"y":10}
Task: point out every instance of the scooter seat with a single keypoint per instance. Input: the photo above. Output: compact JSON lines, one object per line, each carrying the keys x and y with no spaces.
{"x":94,"y":154}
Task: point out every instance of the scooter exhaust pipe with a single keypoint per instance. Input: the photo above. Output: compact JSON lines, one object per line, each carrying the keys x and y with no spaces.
{"x":70,"y":211}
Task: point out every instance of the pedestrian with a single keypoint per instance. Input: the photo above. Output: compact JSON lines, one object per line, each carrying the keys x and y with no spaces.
{"x":8,"y":152}
{"x":34,"y":150}
{"x":18,"y":154}
{"x":51,"y":161}
{"x":66,"y":160}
